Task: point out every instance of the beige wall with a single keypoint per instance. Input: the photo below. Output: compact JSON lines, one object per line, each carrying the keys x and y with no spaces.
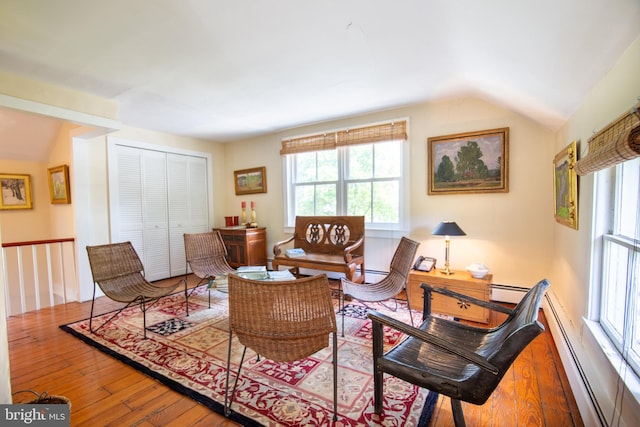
{"x":510,"y":232}
{"x":27,"y":224}
{"x":571,"y":267}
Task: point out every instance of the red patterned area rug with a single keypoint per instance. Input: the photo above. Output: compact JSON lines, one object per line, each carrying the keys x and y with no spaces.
{"x":189,"y":354}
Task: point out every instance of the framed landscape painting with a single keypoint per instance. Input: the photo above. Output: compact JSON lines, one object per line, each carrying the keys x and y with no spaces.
{"x":16,"y":191}
{"x":565,"y":186}
{"x":250,"y":181}
{"x":471,"y":162}
{"x":59,"y":190}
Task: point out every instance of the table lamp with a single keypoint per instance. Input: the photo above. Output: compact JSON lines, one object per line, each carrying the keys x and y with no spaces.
{"x":447,"y":229}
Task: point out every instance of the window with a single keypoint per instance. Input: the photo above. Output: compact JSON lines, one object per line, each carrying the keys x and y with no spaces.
{"x":351,"y":179}
{"x":620,"y":290}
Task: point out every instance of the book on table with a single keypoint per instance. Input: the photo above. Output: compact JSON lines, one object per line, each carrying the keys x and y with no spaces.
{"x":295,"y":253}
{"x":253,"y":272}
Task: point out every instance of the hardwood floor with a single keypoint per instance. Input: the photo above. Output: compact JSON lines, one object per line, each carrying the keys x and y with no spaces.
{"x":106,"y":392}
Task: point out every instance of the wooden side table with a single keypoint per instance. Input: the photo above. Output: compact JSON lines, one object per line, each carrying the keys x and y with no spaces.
{"x":461,"y":281}
{"x":245,"y":246}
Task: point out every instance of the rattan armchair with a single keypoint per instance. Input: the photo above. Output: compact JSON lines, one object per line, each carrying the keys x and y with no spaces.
{"x":281,"y":320}
{"x":118,"y":271}
{"x":388,"y":287}
{"x":461,"y":361}
{"x":206,"y":256}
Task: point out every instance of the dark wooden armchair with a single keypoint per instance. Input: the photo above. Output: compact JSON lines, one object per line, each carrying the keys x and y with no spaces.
{"x":461,"y":361}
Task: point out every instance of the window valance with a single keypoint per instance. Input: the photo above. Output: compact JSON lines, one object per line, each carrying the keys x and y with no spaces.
{"x":389,"y":131}
{"x":617,"y":142}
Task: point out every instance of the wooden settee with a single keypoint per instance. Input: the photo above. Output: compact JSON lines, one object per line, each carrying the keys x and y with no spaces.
{"x":330,"y":243}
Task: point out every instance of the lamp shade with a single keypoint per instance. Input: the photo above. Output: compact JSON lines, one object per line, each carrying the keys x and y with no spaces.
{"x":448,"y":228}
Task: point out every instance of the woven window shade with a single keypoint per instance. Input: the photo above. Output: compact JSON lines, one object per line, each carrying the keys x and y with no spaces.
{"x":383,"y":132}
{"x":362,"y":135}
{"x":309,"y":143}
{"x":616,"y":143}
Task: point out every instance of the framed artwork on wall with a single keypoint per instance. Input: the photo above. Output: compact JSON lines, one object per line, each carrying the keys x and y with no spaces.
{"x":16,"y":191}
{"x":565,"y":186}
{"x":471,"y":162}
{"x":59,"y":191}
{"x":250,"y":181}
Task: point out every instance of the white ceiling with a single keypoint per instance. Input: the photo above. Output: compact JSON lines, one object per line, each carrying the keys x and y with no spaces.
{"x":225,"y":70}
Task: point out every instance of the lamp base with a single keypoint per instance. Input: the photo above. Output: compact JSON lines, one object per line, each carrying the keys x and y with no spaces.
{"x":446,"y":271}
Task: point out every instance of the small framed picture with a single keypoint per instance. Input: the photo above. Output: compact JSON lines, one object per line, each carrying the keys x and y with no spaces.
{"x":250,"y":181}
{"x":565,"y":186}
{"x":16,"y":191}
{"x":59,"y":191}
{"x":471,"y":162}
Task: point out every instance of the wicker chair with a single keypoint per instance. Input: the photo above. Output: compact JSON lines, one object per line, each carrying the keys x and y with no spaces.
{"x":463,"y":362}
{"x":206,"y":255}
{"x":281,"y":320}
{"x":388,"y":287}
{"x":118,"y":271}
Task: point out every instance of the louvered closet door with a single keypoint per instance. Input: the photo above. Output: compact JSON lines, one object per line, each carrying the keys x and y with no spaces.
{"x":126,"y":198}
{"x":156,"y":197}
{"x":139,"y":206}
{"x":188,"y":204}
{"x":155,"y":215}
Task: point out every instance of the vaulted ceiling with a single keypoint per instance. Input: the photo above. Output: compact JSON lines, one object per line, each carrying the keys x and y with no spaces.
{"x":225,"y":70}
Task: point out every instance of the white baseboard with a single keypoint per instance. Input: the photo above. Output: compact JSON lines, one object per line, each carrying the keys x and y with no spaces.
{"x":587,"y":404}
{"x":589,"y":411}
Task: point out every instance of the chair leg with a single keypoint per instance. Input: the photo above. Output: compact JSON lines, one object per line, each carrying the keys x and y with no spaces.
{"x":341,"y":304}
{"x":378,"y":378}
{"x":406,"y":292}
{"x":186,"y":293}
{"x":227,"y":398}
{"x":93,"y":300}
{"x":458,"y":416}
{"x":335,"y":377}
{"x":144,"y":319}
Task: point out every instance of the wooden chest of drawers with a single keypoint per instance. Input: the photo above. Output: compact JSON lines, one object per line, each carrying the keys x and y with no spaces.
{"x":460,"y":281}
{"x":245,"y":246}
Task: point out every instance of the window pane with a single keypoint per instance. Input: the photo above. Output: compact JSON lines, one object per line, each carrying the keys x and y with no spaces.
{"x":628,"y":214}
{"x":360,"y":161}
{"x":316,"y":199}
{"x":359,"y":200}
{"x":305,"y":164}
{"x":386,"y":202}
{"x":326,"y":200}
{"x":305,"y":200}
{"x":614,"y":290}
{"x":635,"y":275}
{"x":388,"y":159}
{"x":317,"y":166}
{"x":328,"y":165}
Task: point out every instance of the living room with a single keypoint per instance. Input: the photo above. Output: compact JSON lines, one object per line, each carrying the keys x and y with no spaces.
{"x":514,"y":233}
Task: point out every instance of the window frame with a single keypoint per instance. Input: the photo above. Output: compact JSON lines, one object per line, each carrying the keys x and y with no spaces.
{"x":372,"y":229}
{"x":607,"y":206}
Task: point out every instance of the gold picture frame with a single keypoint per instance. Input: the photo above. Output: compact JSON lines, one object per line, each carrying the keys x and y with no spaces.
{"x":485,"y":154}
{"x":16,"y":191}
{"x":250,"y":181}
{"x":59,"y":191}
{"x":565,"y":186}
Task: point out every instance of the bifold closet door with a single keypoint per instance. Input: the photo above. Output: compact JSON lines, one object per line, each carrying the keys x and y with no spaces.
{"x":139,"y":207}
{"x":156,"y":197}
{"x":188,"y":204}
